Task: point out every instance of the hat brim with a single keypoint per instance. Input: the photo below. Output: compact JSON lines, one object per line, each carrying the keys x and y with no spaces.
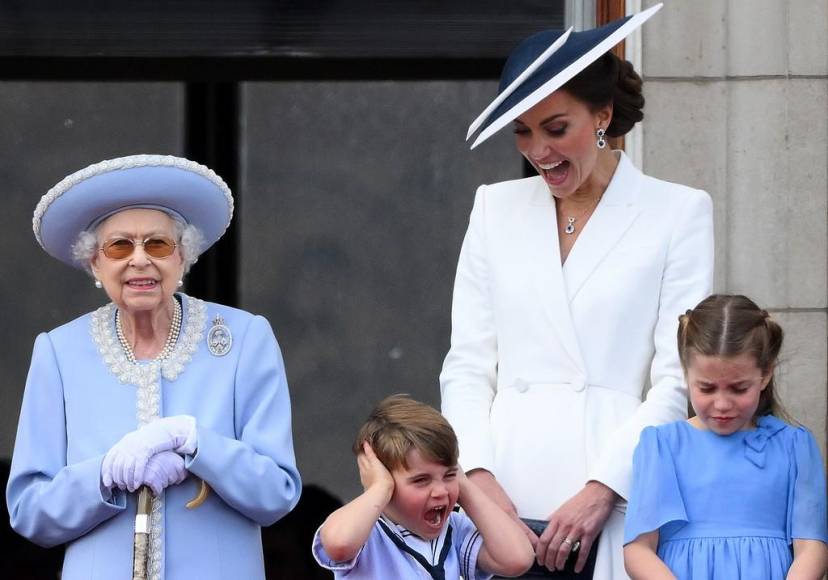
{"x":505,"y":93}
{"x":569,"y":63}
{"x":178,"y":186}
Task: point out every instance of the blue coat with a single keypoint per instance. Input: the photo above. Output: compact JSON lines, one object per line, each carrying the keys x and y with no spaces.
{"x":75,"y":408}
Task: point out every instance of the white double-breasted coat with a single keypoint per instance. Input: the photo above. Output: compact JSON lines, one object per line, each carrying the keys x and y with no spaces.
{"x":546,"y":376}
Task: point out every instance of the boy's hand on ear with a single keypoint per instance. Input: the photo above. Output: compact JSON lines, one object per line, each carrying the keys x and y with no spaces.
{"x":346,"y":530}
{"x":463,"y":483}
{"x":372,"y":472}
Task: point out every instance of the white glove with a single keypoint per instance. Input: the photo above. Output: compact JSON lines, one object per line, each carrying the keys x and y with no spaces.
{"x":124,"y":464}
{"x":164,"y":469}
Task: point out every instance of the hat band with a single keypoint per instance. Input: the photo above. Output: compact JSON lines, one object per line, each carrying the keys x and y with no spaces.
{"x":170,"y":212}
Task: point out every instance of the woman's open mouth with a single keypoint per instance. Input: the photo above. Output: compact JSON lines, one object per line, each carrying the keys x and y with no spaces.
{"x":554,"y":173}
{"x":142,"y":284}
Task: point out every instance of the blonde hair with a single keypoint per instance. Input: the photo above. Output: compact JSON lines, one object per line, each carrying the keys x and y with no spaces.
{"x":730,"y":325}
{"x":399,"y":424}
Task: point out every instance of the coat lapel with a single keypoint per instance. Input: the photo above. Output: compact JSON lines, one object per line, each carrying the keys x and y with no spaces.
{"x":609,"y":222}
{"x":543,"y":249}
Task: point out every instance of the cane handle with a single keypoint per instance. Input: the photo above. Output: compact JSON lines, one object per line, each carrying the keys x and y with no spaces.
{"x":203,"y":492}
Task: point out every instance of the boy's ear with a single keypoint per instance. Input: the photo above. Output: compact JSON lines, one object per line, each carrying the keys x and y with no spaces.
{"x":359,"y":447}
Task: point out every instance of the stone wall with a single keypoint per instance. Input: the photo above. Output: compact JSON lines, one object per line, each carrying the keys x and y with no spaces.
{"x":355,"y":197}
{"x":737,"y":95}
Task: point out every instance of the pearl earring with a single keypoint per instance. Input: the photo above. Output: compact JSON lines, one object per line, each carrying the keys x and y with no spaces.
{"x":98,"y":284}
{"x":601,"y":143}
{"x":180,"y":283}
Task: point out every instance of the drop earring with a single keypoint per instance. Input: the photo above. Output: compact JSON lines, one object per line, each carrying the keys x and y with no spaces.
{"x":601,"y":143}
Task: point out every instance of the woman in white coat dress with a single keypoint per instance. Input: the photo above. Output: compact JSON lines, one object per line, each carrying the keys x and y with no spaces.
{"x":566,"y":301}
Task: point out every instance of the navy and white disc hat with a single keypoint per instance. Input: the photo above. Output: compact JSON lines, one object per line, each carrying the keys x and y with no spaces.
{"x":177,"y":186}
{"x":545,"y":62}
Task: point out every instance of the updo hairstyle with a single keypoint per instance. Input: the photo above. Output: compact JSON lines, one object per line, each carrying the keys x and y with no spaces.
{"x":610,"y":80}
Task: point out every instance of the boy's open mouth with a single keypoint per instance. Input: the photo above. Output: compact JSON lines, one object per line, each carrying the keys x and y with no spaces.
{"x":435,"y":515}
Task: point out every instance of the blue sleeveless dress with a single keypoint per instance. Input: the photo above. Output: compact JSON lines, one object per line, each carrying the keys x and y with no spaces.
{"x":727,"y":507}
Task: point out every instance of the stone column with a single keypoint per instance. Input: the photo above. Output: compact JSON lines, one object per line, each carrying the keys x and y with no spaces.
{"x":737,"y":94}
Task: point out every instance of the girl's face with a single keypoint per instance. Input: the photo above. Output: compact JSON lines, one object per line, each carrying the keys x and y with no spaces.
{"x":557,"y":136}
{"x":724,"y":391}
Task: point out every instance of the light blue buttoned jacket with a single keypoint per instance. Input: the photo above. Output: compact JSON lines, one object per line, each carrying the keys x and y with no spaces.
{"x":75,"y":408}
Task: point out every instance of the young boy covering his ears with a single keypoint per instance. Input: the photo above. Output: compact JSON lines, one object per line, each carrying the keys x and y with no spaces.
{"x":402,"y":526}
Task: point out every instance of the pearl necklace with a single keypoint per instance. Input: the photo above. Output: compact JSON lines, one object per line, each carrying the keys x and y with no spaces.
{"x":172,"y":337}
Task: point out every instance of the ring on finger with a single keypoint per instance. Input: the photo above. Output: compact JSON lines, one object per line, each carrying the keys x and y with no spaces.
{"x":575,"y":546}
{"x":568,"y":542}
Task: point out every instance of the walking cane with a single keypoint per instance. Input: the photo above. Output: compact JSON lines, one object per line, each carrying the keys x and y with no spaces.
{"x":140,"y":553}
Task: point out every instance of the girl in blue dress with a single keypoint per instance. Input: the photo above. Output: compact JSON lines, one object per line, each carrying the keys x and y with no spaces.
{"x":734,"y":492}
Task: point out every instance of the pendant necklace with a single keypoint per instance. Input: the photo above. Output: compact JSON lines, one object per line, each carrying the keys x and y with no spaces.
{"x":570,"y":226}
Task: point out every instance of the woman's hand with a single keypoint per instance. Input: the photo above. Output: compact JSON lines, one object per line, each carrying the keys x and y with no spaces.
{"x":579,"y":519}
{"x":372,"y":472}
{"x":124,"y":464}
{"x":487,"y":482}
{"x":163,"y":470}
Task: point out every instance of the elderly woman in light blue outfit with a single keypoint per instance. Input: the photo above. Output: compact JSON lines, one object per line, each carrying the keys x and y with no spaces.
{"x":156,"y":389}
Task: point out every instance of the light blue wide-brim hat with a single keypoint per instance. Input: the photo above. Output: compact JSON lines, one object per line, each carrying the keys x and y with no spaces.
{"x":545,"y":62}
{"x":177,"y":186}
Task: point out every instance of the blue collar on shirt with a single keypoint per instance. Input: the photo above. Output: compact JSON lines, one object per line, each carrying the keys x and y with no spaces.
{"x":437,"y":571}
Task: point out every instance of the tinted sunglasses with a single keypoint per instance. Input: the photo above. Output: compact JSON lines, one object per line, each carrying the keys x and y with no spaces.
{"x":155,"y":247}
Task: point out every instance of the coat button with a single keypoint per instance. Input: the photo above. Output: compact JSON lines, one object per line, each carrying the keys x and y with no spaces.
{"x":521,"y":386}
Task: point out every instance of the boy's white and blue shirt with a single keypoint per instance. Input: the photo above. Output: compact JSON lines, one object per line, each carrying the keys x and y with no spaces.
{"x":392,"y":551}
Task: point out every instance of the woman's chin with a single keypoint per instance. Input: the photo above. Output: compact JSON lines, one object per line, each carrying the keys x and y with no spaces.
{"x":134,"y":302}
{"x":560,"y":189}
